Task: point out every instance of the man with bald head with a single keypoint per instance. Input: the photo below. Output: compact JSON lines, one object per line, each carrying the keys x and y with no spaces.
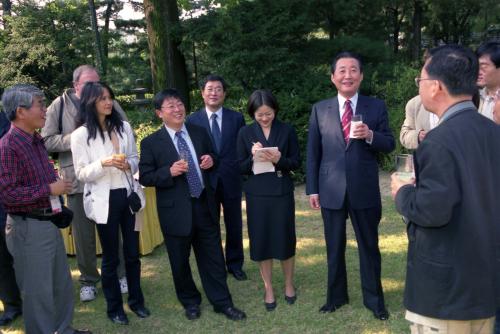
{"x":62,"y":119}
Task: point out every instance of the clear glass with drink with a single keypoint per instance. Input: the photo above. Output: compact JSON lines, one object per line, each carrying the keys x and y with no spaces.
{"x":355,"y":121}
{"x":405,"y":170}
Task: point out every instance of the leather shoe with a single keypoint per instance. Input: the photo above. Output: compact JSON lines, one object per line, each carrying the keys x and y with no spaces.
{"x":329,"y":308}
{"x":192,"y":312}
{"x":142,"y":312}
{"x":119,"y":319}
{"x":238,"y":274}
{"x":381,"y":315}
{"x":232,"y":313}
{"x":291,"y":300}
{"x":82,"y":331}
{"x":270,"y":306}
{"x":8,"y":317}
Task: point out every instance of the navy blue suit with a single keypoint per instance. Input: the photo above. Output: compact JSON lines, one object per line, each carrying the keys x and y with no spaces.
{"x":346,"y":178}
{"x":226,"y":180}
{"x":9,"y":292}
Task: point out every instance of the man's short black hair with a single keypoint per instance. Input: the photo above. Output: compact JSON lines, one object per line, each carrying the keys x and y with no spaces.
{"x":347,"y":54}
{"x":213,"y":77}
{"x":456,"y":67}
{"x":492,"y":49}
{"x":169,"y":93}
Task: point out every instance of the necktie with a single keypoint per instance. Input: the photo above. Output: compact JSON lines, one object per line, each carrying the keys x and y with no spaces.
{"x":194,"y":182}
{"x":346,"y":120}
{"x":216,"y":131}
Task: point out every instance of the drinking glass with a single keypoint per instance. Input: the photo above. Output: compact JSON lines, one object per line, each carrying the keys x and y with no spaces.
{"x":355,"y":121}
{"x":404,"y":167}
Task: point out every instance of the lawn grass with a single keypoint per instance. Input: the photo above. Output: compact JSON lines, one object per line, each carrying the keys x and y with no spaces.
{"x":302,"y":317}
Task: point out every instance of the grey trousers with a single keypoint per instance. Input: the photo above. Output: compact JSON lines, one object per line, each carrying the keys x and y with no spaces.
{"x":84,"y":235}
{"x":42,"y":274}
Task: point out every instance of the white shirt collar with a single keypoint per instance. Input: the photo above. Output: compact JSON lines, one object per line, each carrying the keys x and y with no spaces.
{"x":354,"y":102}
{"x":218,"y":112}
{"x":172,"y":132}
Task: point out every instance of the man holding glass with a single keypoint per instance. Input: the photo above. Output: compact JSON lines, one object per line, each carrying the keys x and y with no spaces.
{"x":342,"y":180}
{"x":452,"y":210}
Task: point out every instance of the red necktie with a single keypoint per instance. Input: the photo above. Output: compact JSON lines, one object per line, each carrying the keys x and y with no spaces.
{"x":346,"y":120}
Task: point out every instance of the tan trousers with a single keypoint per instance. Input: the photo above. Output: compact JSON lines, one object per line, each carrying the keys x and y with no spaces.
{"x":420,"y":324}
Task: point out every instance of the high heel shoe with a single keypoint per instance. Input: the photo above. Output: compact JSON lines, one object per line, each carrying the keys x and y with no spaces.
{"x":291,"y":300}
{"x":270,"y":306}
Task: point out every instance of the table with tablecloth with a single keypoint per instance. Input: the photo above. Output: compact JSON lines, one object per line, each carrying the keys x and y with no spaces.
{"x":149,"y":237}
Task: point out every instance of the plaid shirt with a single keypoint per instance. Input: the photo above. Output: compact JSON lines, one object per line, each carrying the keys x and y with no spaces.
{"x":25,"y":172}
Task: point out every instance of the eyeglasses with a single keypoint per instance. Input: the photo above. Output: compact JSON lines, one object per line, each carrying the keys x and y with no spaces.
{"x":417,"y":81}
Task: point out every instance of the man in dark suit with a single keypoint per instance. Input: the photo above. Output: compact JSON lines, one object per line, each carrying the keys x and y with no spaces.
{"x":452,"y":207}
{"x":223,"y":126}
{"x":9,"y":292}
{"x":175,"y":160}
{"x":342,"y":180}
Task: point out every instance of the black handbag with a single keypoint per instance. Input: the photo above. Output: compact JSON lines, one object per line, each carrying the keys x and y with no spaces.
{"x":62,"y":219}
{"x":134,"y":201}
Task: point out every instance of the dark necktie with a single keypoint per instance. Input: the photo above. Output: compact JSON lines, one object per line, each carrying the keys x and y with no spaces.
{"x":194,"y":182}
{"x":346,"y":120}
{"x":216,"y":132}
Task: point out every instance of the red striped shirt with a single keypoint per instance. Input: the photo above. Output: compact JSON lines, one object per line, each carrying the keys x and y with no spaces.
{"x":25,"y":172}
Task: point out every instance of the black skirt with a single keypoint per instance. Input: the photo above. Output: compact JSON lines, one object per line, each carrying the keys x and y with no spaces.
{"x":271,"y":226}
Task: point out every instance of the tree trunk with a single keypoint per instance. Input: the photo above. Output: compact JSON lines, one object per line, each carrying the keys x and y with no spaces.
{"x":416,"y":41}
{"x":97,"y":42}
{"x":168,"y":66}
{"x":105,"y":31}
{"x":6,"y":8}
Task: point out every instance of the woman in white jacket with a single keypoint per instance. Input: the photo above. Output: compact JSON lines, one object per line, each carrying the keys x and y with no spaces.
{"x":104,"y":156}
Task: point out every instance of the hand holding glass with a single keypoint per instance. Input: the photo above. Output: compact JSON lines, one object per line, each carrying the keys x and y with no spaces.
{"x":355,"y":121}
{"x":404,"y":167}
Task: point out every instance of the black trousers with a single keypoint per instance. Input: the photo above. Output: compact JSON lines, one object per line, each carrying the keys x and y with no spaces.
{"x":206,"y":242}
{"x":365,"y":223}
{"x":9,"y":292}
{"x":120,"y":216}
{"x":233,"y":224}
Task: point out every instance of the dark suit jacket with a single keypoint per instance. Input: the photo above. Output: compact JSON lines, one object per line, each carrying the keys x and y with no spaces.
{"x":227,"y":170}
{"x":173,"y":200}
{"x":454,"y":229}
{"x":334,"y":168}
{"x":269,"y":184}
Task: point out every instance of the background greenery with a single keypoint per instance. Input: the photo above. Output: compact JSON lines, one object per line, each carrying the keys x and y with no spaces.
{"x":282,"y":45}
{"x":310,"y":280}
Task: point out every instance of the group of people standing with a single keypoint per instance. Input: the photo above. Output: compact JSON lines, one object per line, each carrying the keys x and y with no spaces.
{"x":196,"y":164}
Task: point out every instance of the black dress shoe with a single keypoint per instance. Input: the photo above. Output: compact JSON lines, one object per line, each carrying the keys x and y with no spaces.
{"x":329,"y":308}
{"x":8,"y":317}
{"x":238,"y":274}
{"x":291,"y":300}
{"x":82,"y":331}
{"x":119,"y":319}
{"x":381,"y":315}
{"x":142,"y":312}
{"x":270,"y":306}
{"x":192,"y":312}
{"x":232,"y":313}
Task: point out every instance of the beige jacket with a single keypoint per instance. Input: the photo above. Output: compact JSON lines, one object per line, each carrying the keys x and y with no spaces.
{"x":417,"y":118}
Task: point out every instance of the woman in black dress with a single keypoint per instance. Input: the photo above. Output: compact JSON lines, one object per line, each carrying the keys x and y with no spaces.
{"x":269,"y":196}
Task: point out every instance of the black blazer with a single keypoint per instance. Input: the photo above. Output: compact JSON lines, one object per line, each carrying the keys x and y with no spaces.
{"x":269,"y":184}
{"x":227,"y":170}
{"x":454,"y":230}
{"x":173,"y":200}
{"x":334,"y":168}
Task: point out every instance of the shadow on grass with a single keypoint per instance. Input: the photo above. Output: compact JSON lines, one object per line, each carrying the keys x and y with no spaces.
{"x":302,"y":317}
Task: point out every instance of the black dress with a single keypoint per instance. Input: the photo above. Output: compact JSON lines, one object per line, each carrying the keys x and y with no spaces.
{"x":269,"y":197}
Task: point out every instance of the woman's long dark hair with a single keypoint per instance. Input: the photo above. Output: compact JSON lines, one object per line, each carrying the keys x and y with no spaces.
{"x":91,"y":93}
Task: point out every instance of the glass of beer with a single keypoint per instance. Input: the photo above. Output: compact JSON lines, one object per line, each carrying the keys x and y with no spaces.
{"x":404,"y":167}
